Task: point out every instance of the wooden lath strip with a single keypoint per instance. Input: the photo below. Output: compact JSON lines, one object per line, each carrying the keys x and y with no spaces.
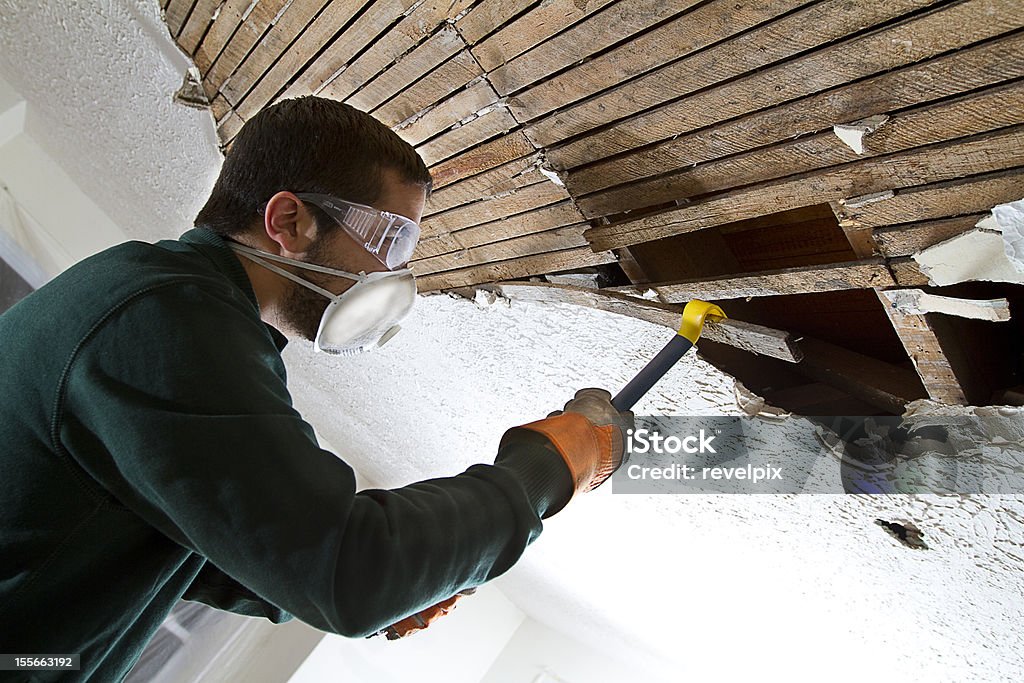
{"x":461,"y":105}
{"x":289,"y":26}
{"x":568,"y":259}
{"x":537,"y":243}
{"x":429,"y":90}
{"x":612,"y":24}
{"x":907,"y":273}
{"x":527,"y":223}
{"x":757,"y":339}
{"x":309,"y":77}
{"x":516,"y":201}
{"x":864,"y":274}
{"x":483,"y":128}
{"x":250,"y":29}
{"x":938,"y":200}
{"x":482,"y":158}
{"x":914,"y":127}
{"x":991,"y":151}
{"x":176,"y":13}
{"x":508,"y":177}
{"x":537,"y":25}
{"x":922,"y":37}
{"x":488,"y":16}
{"x":392,"y":45}
{"x":966,"y":116}
{"x":909,"y":238}
{"x":220,"y":32}
{"x":703,"y":26}
{"x":198,"y":21}
{"x":409,"y":68}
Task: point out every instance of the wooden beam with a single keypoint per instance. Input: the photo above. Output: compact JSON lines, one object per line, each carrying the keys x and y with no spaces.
{"x":988,"y":152}
{"x":695,"y":30}
{"x":907,"y":238}
{"x":462,"y":104}
{"x":488,"y":16}
{"x":250,"y":29}
{"x":175,"y":15}
{"x":567,"y":259}
{"x":526,"y":245}
{"x":198,"y":21}
{"x":907,"y":273}
{"x":884,"y":385}
{"x":853,"y":275}
{"x":926,"y":351}
{"x":747,"y":336}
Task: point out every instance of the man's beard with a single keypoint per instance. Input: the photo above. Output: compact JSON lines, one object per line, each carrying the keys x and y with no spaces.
{"x":303,"y":308}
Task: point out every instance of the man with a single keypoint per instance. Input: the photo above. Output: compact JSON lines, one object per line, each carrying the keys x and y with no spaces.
{"x":150,"y":450}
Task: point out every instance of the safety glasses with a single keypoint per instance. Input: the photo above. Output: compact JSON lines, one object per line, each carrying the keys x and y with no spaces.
{"x":389,"y":237}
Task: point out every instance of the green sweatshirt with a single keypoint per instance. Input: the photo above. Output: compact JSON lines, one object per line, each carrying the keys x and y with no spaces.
{"x":149,"y":451}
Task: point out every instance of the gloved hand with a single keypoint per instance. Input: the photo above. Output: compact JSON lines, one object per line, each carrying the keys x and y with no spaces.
{"x":421,"y":620}
{"x":589,"y":433}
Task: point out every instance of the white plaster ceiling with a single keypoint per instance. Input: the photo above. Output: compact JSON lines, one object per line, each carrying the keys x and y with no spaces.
{"x":720,"y":588}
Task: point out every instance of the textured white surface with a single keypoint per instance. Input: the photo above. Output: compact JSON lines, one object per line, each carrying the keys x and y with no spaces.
{"x":99,"y":77}
{"x":724,"y":588}
{"x":1010,"y":218}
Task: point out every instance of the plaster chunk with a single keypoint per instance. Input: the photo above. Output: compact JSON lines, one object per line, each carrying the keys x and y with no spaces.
{"x":853,"y":134}
{"x":976,"y":255}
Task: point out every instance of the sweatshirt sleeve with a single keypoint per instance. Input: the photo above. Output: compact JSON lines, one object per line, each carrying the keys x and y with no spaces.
{"x":177,"y":406}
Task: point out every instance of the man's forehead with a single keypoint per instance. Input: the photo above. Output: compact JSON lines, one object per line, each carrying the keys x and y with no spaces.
{"x":400,"y":196}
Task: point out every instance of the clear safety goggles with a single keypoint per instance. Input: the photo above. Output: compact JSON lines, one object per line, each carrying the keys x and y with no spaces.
{"x":390,"y":238}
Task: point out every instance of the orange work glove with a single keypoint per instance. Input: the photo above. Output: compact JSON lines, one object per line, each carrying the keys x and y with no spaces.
{"x":421,"y":620}
{"x":589,"y":433}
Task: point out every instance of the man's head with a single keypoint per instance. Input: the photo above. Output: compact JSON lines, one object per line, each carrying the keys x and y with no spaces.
{"x":310,"y":145}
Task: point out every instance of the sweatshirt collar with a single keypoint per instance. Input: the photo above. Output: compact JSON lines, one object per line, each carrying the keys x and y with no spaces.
{"x":226,"y":262}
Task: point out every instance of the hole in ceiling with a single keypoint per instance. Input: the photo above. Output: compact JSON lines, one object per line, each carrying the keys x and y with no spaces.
{"x":906,"y":533}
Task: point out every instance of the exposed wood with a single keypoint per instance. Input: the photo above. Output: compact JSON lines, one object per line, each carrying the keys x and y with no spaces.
{"x":926,"y":352}
{"x":526,"y":223}
{"x":432,"y":88}
{"x":937,"y":200}
{"x":991,"y":151}
{"x":629,"y":265}
{"x":461,"y":105}
{"x":491,"y":124}
{"x":417,"y":63}
{"x":520,"y":267}
{"x":907,"y":238}
{"x":219,"y":107}
{"x":747,"y":336}
{"x":487,"y":16}
{"x":228,"y":19}
{"x":947,"y":120}
{"x":919,"y":302}
{"x":393,"y":44}
{"x":537,"y":243}
{"x":618,"y":21}
{"x":250,"y":30}
{"x":482,"y":158}
{"x":509,"y":204}
{"x":922,"y":37}
{"x":853,"y":275}
{"x":538,"y":24}
{"x":514,"y":175}
{"x":884,"y":385}
{"x":229,"y":126}
{"x":907,"y":273}
{"x":198,"y":21}
{"x":703,"y":26}
{"x":175,"y":15}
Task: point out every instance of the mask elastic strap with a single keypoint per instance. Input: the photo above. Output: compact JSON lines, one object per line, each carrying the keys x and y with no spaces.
{"x":257,"y":256}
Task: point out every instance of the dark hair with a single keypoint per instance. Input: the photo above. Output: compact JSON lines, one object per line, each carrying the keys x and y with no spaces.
{"x":307,"y":144}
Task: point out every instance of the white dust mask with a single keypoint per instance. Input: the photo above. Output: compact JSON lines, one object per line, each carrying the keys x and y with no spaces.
{"x":361,"y":318}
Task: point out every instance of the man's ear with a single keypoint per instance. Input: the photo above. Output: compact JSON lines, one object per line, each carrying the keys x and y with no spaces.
{"x":289,"y":223}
